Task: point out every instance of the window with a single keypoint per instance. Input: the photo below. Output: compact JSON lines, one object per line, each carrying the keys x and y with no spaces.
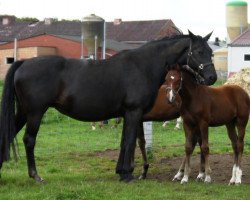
{"x":9,"y":60}
{"x":247,"y":57}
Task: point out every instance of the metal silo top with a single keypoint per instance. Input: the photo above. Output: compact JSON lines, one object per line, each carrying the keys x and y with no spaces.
{"x":92,"y":18}
{"x":237,"y":3}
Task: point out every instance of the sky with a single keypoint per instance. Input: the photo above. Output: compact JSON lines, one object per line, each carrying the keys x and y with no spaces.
{"x":199,"y":16}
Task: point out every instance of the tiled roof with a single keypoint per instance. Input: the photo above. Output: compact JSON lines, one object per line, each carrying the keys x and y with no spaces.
{"x":242,"y":40}
{"x":139,"y":30}
{"x":126,"y":31}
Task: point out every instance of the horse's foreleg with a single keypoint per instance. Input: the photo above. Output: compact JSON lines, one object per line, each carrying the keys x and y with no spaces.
{"x":201,"y":175}
{"x":180,"y":172}
{"x":205,"y":150}
{"x":29,"y":139}
{"x":189,"y":148}
{"x":119,"y":166}
{"x":132,"y":121}
{"x":142,"y":145}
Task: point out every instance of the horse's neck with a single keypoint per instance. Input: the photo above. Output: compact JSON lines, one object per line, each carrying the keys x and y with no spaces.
{"x":190,"y":88}
{"x":162,"y":54}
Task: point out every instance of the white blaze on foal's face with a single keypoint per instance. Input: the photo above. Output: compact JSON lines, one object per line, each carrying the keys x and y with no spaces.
{"x":171,"y":93}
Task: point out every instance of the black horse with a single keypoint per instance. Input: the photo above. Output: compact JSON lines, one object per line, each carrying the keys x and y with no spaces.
{"x":125,"y":85}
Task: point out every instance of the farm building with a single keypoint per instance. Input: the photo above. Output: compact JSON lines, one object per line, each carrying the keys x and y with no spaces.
{"x":239,"y":53}
{"x":50,"y":37}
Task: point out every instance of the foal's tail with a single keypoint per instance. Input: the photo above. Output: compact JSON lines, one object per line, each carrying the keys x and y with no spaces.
{"x":7,"y":114}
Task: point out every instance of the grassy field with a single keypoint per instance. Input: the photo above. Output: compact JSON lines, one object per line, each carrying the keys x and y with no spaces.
{"x":68,"y":158}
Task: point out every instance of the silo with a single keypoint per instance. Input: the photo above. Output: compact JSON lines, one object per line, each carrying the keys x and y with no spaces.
{"x":92,"y":30}
{"x":236,"y":18}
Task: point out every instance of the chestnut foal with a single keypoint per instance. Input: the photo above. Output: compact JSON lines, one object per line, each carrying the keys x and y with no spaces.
{"x":204,"y":106}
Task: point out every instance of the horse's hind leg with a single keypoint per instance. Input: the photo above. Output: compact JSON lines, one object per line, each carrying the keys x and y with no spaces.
{"x":142,"y":145}
{"x":29,"y":139}
{"x":241,"y":127}
{"x":234,"y":138}
{"x":238,"y":146}
{"x":20,"y":120}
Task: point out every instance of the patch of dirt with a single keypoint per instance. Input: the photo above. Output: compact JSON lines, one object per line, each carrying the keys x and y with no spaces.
{"x":221,"y":165}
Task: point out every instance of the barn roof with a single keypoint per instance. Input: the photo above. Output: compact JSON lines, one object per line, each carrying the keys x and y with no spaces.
{"x":140,"y":30}
{"x":242,"y":40}
{"x":124,"y":31}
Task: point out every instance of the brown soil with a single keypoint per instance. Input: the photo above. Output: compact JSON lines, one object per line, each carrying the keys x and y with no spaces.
{"x":221,"y":165}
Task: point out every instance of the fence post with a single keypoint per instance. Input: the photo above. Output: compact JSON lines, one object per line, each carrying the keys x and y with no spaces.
{"x":148,"y":132}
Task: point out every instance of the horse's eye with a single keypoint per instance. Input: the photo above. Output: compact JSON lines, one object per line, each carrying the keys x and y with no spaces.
{"x":200,"y":52}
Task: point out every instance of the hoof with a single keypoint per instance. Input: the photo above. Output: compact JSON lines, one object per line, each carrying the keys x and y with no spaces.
{"x":200,"y":177}
{"x":234,"y":183}
{"x":178,"y":176}
{"x":126,"y":178}
{"x":142,"y":177}
{"x":184,"y":180}
{"x":38,"y":179}
{"x":208,"y":179}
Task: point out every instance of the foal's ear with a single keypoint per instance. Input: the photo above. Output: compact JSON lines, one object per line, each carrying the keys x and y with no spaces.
{"x":178,"y":67}
{"x":208,"y":36}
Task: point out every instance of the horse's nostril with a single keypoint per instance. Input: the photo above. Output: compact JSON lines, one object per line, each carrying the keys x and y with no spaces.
{"x":213,"y":78}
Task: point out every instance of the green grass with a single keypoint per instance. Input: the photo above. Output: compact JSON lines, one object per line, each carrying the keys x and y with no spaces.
{"x":66,"y":158}
{"x":65,"y":154}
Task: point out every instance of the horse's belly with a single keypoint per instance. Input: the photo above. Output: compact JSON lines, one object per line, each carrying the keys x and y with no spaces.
{"x":222,"y":118}
{"x":90,"y":113}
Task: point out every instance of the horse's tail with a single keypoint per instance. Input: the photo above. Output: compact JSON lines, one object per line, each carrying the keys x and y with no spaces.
{"x":7,"y":113}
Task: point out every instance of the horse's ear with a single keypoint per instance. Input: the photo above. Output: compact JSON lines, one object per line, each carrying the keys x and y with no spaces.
{"x":191,"y":34}
{"x":208,"y":36}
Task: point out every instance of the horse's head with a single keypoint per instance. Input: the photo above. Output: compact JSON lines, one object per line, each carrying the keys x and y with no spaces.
{"x":199,"y":58}
{"x":173,"y":83}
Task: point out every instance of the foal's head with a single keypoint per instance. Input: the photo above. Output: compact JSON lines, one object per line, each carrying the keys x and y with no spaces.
{"x":173,"y":83}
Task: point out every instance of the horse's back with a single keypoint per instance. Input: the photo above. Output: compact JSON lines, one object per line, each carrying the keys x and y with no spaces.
{"x":232,"y":99}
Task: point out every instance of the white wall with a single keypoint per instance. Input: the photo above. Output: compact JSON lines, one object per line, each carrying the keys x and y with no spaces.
{"x":236,"y":58}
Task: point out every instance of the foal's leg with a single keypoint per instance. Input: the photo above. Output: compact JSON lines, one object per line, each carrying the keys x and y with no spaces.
{"x":233,"y":137}
{"x":238,"y":146}
{"x":241,"y":127}
{"x":132,"y":121}
{"x":191,"y":141}
{"x":142,"y":145}
{"x":180,"y":172}
{"x":178,"y":123}
{"x":201,"y":175}
{"x":93,"y":126}
{"x":29,"y":139}
{"x":205,"y":150}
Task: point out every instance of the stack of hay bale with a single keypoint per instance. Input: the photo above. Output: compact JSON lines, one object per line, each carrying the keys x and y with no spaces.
{"x":242,"y":79}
